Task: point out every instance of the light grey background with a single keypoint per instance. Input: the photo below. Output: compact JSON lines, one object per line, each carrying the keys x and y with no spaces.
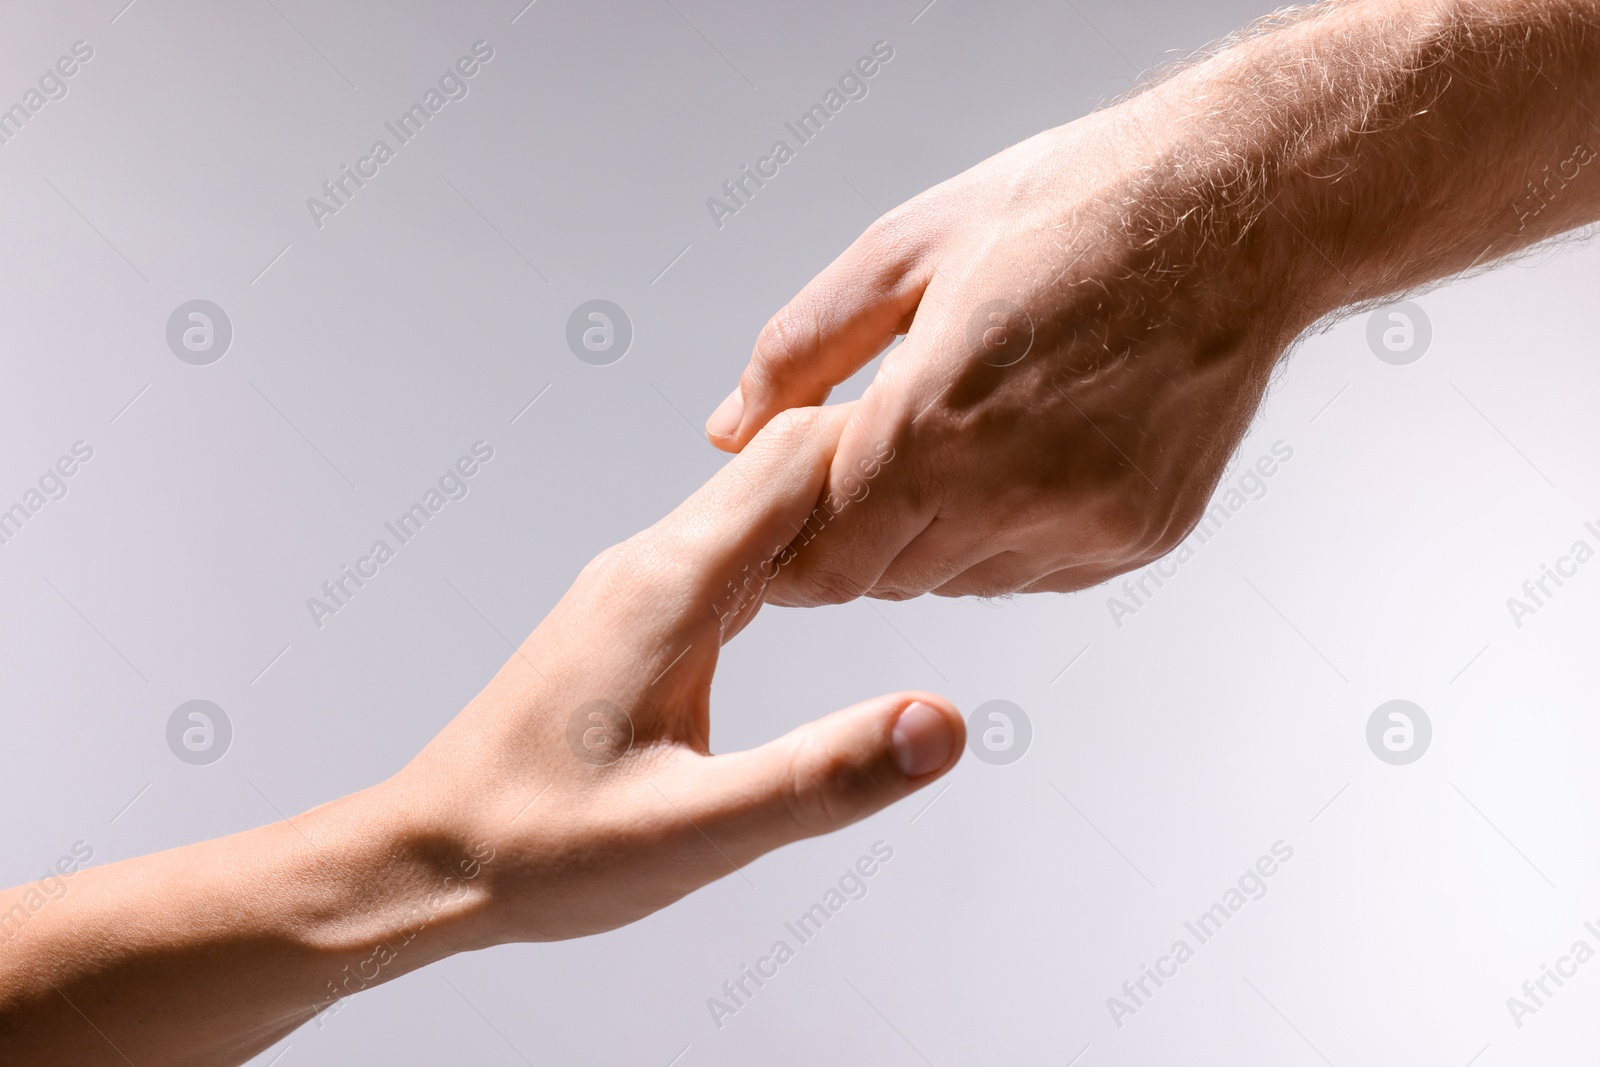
{"x":1228,"y":714}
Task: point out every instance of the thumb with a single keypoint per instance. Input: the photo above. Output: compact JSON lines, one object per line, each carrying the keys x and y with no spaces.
{"x":829,"y":773}
{"x":835,"y":325}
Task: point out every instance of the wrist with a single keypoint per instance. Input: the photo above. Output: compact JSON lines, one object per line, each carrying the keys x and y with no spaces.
{"x":1377,"y":145}
{"x":275,"y":924}
{"x":1268,"y":154}
{"x":386,"y":891}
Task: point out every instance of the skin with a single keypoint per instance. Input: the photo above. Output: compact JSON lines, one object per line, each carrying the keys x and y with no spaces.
{"x":1092,"y":316}
{"x":511,"y":825}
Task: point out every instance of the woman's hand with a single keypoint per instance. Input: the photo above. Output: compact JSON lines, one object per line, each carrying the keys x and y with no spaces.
{"x":586,"y":760}
{"x":574,"y":794}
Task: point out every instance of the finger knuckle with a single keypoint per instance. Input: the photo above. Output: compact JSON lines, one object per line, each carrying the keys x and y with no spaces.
{"x":1169,"y":519}
{"x":830,"y":585}
{"x":785,"y":339}
{"x":792,"y":425}
{"x":1172,"y":534}
{"x":601,"y":565}
{"x":886,"y":230}
{"x":622,"y":566}
{"x":983,"y":587}
{"x":1125,"y":524}
{"x":823,"y":791}
{"x":899,"y":229}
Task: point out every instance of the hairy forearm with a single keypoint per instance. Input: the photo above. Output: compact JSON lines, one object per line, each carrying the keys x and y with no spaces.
{"x":246,"y":936}
{"x":1360,"y":148}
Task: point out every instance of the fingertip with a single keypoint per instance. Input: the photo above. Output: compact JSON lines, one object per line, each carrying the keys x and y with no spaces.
{"x":834,"y":771}
{"x":722,"y":428}
{"x":927,"y":736}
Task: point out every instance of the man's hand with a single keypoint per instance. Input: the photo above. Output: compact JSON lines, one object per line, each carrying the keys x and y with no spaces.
{"x":1092,"y":316}
{"x":1064,"y":400}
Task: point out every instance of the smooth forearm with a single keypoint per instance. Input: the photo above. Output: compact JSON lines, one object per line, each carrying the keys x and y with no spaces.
{"x":265,"y":928}
{"x":574,"y":794}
